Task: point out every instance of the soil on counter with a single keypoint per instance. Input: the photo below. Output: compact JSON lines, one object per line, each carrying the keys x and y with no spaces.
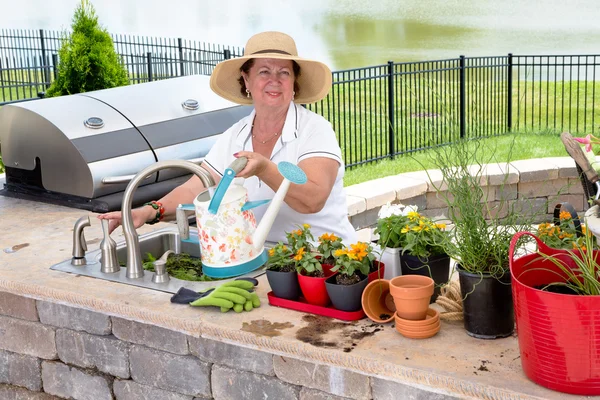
{"x":266,"y":328}
{"x":345,"y":336}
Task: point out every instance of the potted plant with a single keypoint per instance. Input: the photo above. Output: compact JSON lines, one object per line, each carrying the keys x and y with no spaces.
{"x":352,"y":266}
{"x":311,"y":276}
{"x":420,"y":242}
{"x":556,"y":302}
{"x":328,"y":244}
{"x":481,"y":235}
{"x":281,"y":272}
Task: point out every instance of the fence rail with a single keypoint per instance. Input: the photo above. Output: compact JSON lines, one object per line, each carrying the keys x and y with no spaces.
{"x":379,"y":111}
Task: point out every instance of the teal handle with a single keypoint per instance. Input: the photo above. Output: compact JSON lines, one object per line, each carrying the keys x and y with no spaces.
{"x":253,"y":204}
{"x":187,"y":207}
{"x":217,"y":198}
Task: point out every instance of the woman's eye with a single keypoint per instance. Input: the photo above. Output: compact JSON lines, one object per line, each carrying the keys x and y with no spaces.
{"x":264,"y":72}
{"x":285,"y":72}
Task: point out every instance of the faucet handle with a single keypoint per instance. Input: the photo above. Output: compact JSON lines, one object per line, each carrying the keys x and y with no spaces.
{"x":181,"y":215}
{"x":160,"y":268}
{"x":108,"y":262}
{"x":79,"y":245}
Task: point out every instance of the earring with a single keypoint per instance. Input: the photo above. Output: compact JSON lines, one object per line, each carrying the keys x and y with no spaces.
{"x":293,"y":95}
{"x":247,"y":93}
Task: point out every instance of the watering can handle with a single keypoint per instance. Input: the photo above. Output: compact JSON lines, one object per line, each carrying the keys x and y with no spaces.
{"x":234,"y":168}
{"x":542,"y":248}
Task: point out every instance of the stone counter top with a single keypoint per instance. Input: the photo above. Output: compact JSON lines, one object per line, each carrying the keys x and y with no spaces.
{"x":35,"y":236}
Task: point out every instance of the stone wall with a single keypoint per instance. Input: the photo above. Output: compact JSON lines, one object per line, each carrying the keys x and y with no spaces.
{"x":52,"y":351}
{"x":538,"y":184}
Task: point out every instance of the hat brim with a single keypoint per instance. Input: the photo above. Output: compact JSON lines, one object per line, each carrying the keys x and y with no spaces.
{"x":314,"y":81}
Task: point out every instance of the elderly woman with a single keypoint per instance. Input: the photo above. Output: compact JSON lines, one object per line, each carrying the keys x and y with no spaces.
{"x":275,"y":80}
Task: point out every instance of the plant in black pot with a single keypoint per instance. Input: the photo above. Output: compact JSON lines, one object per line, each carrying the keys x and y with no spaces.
{"x":421,"y":241}
{"x":281,"y":272}
{"x":352,"y":266}
{"x":484,"y":223}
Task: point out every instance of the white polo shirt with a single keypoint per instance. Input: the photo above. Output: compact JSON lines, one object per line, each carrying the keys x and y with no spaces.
{"x":305,"y":135}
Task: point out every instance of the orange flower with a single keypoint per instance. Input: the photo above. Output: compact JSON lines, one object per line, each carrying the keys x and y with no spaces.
{"x":299,"y":254}
{"x":564,"y":215}
{"x":297,"y":232}
{"x":359,"y":249}
{"x":271,"y":252}
{"x":328,"y":237}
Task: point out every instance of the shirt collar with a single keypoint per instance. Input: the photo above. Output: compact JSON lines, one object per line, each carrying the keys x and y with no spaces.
{"x":290,"y":127}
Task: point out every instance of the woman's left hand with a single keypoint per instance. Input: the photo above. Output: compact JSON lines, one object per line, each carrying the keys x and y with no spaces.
{"x":257,"y":164}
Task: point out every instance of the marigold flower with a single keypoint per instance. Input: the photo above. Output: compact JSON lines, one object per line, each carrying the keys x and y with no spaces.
{"x":299,"y":254}
{"x":564,"y":215}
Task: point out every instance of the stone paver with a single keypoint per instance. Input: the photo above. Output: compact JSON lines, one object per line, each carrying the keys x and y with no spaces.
{"x":130,"y":390}
{"x":150,"y":336}
{"x":8,"y":392}
{"x":70,"y":382}
{"x":389,"y":390}
{"x":20,"y":370}
{"x":73,"y":318}
{"x":237,"y":357}
{"x":25,"y":337}
{"x":233,"y":384}
{"x":18,"y":307}
{"x":89,"y":351}
{"x":181,"y":374}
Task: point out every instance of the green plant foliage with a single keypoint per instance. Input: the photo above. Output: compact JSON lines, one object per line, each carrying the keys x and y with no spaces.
{"x":88,"y":60}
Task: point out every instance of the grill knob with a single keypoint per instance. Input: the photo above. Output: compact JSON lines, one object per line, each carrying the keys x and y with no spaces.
{"x":190,"y":104}
{"x":94,"y":122}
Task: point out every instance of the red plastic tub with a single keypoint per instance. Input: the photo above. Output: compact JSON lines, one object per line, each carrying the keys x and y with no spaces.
{"x":559,"y":334}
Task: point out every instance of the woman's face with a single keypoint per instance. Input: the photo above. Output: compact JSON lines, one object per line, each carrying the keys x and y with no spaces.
{"x":271,"y":82}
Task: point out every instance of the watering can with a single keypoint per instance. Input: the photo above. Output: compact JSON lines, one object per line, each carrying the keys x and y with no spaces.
{"x":231,"y":243}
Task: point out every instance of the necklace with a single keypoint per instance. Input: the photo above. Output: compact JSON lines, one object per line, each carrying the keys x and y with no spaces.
{"x":264,"y":141}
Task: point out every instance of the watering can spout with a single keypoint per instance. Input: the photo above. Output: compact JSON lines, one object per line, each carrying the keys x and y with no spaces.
{"x":291,"y":174}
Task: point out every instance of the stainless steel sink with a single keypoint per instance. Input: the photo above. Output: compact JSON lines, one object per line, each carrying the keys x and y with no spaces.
{"x":156,"y":243}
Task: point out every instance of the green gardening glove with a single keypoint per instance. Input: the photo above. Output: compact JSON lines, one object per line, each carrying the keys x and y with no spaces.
{"x":234,"y":294}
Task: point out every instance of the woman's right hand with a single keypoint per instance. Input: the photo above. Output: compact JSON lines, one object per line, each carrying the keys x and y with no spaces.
{"x":139,"y":215}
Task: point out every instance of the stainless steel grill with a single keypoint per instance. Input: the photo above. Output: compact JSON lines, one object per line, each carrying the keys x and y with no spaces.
{"x":81,"y":150}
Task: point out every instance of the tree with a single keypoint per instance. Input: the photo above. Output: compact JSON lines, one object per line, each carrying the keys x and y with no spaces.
{"x":88,"y":60}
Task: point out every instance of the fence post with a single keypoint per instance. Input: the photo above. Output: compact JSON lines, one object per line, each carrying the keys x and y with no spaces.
{"x":391,"y":110}
{"x":149,"y":65}
{"x":461,"y":102}
{"x":55,"y":64}
{"x":44,"y":61}
{"x":509,"y":92}
{"x":226,"y":54}
{"x":181,"y":66}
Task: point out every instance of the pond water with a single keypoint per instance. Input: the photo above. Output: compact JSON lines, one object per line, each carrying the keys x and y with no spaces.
{"x":346,"y":33}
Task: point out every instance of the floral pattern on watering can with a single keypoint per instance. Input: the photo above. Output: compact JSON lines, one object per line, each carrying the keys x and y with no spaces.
{"x":226,"y":237}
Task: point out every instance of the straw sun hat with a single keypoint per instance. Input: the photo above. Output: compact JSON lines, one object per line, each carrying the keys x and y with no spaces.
{"x":314,"y":80}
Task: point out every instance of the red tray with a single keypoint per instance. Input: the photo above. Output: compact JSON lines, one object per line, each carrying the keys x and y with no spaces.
{"x":302,"y":305}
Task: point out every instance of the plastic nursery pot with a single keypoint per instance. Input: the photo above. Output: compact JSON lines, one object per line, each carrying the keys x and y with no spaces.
{"x":314,"y":290}
{"x":411,"y":294}
{"x":487,"y":304}
{"x":436,"y":267}
{"x":284,"y":284}
{"x":377,"y":301}
{"x":378,"y":273}
{"x":345,"y":297}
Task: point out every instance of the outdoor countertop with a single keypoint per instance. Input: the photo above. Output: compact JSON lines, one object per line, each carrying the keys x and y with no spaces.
{"x":452,"y":361}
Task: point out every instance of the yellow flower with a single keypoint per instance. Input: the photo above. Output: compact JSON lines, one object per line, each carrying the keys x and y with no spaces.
{"x":564,"y":215}
{"x":413,"y":215}
{"x":340,"y":252}
{"x":284,"y":248}
{"x":583,"y":230}
{"x":328,"y":237}
{"x":306,"y":226}
{"x":271,"y":252}
{"x":440,"y":226}
{"x":405,"y":229}
{"x":359,"y":249}
{"x":299,"y":254}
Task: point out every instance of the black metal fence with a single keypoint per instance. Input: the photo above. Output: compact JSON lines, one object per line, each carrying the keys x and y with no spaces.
{"x":378,"y":112}
{"x":29,"y":58}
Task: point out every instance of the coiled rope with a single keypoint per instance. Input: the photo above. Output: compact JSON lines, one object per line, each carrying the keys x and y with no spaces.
{"x":450,"y":300}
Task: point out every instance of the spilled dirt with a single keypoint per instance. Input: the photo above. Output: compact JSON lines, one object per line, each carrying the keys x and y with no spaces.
{"x":266,"y":328}
{"x":327,"y":333}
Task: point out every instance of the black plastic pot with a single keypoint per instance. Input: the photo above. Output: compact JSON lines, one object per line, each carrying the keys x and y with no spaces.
{"x":284,"y":284}
{"x":346,"y":297}
{"x":436,"y":267}
{"x":487,"y":304}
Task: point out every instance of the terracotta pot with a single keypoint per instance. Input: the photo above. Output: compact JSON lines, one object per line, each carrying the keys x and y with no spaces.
{"x":433,"y":318}
{"x":314,"y":289}
{"x":377,"y":301}
{"x":418,"y":333}
{"x":378,"y":273}
{"x":436,"y":267}
{"x":411,"y":295}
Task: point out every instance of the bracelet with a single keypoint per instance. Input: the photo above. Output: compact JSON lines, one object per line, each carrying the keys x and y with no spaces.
{"x":160,"y":211}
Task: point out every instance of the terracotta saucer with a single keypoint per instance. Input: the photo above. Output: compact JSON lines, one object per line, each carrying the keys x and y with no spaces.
{"x":432,"y":317}
{"x":420,"y":335}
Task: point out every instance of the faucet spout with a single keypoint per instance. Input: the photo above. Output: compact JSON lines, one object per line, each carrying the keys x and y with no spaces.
{"x":134,"y":257}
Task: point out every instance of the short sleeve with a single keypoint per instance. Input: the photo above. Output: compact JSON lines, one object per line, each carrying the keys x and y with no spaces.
{"x":319,"y":140}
